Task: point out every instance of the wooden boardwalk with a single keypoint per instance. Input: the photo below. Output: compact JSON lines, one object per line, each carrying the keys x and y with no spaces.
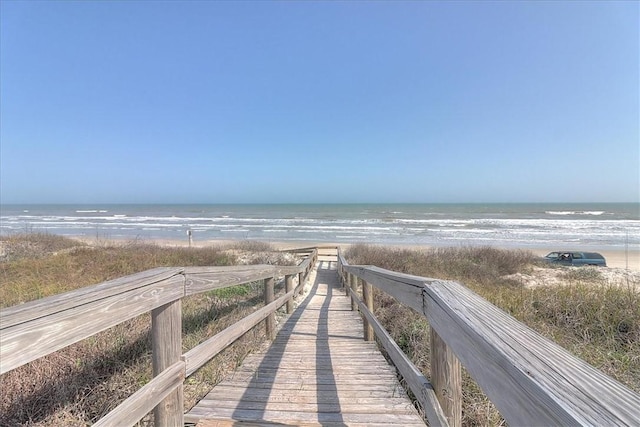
{"x":318,"y":371}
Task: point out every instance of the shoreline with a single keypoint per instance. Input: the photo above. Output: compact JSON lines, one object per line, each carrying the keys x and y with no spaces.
{"x":622,"y":258}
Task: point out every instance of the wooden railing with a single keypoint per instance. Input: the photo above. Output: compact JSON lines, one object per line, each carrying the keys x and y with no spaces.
{"x":530,"y":379}
{"x":36,"y":329}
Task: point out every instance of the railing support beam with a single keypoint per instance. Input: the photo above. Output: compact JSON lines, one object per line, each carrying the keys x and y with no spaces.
{"x":166,"y":343}
{"x":300,"y":283}
{"x":353,"y":291}
{"x":270,"y":321}
{"x":446,"y":378}
{"x":367,"y":296}
{"x":288,"y":283}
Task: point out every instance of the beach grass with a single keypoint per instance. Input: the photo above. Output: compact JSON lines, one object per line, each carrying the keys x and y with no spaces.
{"x":81,"y":383}
{"x":592,"y":318}
{"x":40,"y":265}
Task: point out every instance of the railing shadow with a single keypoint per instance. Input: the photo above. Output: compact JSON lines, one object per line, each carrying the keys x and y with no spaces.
{"x":330,"y":390}
{"x":37,"y":404}
{"x":329,"y":403}
{"x":63,"y":386}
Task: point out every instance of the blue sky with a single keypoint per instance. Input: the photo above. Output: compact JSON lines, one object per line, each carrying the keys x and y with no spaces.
{"x":253,"y":102}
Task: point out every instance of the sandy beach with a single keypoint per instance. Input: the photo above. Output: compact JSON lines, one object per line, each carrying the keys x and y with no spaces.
{"x":615,"y":259}
{"x":626,"y":259}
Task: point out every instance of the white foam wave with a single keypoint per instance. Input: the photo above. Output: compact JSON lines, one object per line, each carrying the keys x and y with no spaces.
{"x":552,"y":227}
{"x":565,"y":213}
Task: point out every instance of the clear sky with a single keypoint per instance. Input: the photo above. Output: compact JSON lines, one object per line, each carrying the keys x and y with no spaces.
{"x":253,"y":102}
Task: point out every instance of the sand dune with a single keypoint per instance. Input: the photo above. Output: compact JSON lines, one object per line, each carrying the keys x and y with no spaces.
{"x":627,"y":259}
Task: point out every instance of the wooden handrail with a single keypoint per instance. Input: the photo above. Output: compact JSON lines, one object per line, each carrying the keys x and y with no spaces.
{"x":46,"y":306}
{"x":418,"y":384}
{"x":203,"y":352}
{"x":145,"y":399}
{"x":35,"y":336}
{"x":530,"y":379}
{"x":35,"y":329}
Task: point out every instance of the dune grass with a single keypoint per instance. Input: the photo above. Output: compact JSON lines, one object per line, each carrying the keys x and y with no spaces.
{"x":593,"y":319}
{"x":78,"y":385}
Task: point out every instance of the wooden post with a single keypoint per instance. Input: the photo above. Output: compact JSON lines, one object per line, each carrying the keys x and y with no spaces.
{"x":300,"y":283}
{"x":446,"y":378}
{"x":270,"y":321}
{"x":367,"y":295}
{"x":166,"y":344}
{"x":354,"y":291}
{"x":288,"y":283}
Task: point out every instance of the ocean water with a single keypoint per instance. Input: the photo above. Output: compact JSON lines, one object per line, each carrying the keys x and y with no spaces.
{"x":553,"y":226}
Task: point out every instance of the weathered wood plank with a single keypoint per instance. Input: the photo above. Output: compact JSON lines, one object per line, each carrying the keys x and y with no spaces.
{"x":47,"y":306}
{"x":203,"y":352}
{"x":372,"y":391}
{"x":27,"y":341}
{"x":325,"y":377}
{"x":232,"y":423}
{"x":313,"y":372}
{"x":201,"y":279}
{"x":353,"y":291}
{"x":305,"y":397}
{"x":145,"y":399}
{"x":405,"y":288}
{"x":381,"y":406}
{"x":286,"y":387}
{"x":301,"y":281}
{"x":367,"y":297}
{"x":289,"y":288}
{"x":166,"y":344}
{"x":528,"y":377}
{"x":328,"y":363}
{"x":418,"y":384}
{"x":270,"y":320}
{"x":286,"y":417}
{"x":446,"y":378}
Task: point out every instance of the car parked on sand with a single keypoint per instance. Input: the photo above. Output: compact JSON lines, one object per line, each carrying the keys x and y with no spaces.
{"x":576,"y":258}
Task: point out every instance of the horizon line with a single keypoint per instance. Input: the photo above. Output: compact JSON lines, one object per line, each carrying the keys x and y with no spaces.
{"x":324,"y":203}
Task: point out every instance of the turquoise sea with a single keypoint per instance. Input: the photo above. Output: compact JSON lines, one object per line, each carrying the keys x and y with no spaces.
{"x":566,"y":226}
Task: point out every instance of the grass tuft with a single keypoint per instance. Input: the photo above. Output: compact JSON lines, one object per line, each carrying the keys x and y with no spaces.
{"x":252,"y":246}
{"x":595,"y":319}
{"x":33,"y":245}
{"x":583,"y":274}
{"x":81,"y":383}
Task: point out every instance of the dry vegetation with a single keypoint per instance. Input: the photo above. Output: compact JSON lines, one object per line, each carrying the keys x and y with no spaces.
{"x":591,"y":316}
{"x":80,"y":384}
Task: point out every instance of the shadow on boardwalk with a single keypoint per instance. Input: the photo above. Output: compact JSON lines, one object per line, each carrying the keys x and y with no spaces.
{"x":318,"y":371}
{"x":330,"y":403}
